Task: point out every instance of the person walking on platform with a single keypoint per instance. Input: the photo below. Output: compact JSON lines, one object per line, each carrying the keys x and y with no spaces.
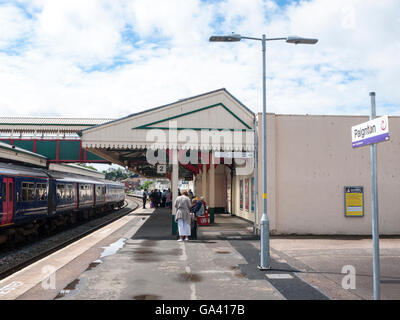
{"x":191,"y":195}
{"x":197,"y":210}
{"x":158,"y":198}
{"x":164,"y":198}
{"x":151,"y":196}
{"x":155,"y":198}
{"x":144,"y":198}
{"x":182,"y":216}
{"x":168,"y":201}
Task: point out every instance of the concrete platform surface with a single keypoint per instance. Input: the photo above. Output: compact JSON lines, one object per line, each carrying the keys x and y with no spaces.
{"x":324,"y":262}
{"x":137,"y":258}
{"x":145,"y":266}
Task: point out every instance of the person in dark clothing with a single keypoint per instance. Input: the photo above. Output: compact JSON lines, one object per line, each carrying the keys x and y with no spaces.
{"x":151,"y":196}
{"x":164,"y":198}
{"x":159,"y":198}
{"x":168,"y":199}
{"x":156,"y":198}
{"x":144,"y":198}
{"x":196,"y":210}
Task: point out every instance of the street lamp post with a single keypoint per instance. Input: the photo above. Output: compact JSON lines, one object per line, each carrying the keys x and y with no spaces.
{"x":264,"y":223}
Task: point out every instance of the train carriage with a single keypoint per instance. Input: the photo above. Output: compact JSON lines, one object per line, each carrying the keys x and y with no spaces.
{"x":29,"y":195}
{"x":24,"y":194}
{"x":115,"y":194}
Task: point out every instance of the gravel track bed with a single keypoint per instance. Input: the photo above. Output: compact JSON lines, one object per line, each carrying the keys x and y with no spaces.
{"x":18,"y":256}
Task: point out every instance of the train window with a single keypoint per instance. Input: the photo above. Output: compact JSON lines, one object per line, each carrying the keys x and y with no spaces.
{"x":61,"y":194}
{"x":70,"y":191}
{"x":10,"y":192}
{"x":4,"y":192}
{"x":85,"y":192}
{"x":28,"y":191}
{"x":41,"y":191}
{"x":67,"y":192}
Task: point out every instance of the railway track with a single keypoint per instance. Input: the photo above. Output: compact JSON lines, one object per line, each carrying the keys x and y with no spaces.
{"x":11,"y":262}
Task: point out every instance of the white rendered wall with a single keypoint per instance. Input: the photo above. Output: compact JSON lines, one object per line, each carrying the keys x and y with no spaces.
{"x":310,"y":160}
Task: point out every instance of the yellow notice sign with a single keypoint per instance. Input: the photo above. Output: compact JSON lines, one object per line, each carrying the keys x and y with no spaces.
{"x":354,"y":201}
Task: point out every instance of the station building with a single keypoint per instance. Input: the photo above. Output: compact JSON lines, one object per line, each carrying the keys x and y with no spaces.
{"x":317,"y":183}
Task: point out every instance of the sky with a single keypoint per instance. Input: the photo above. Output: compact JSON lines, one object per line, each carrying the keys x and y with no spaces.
{"x":108,"y":59}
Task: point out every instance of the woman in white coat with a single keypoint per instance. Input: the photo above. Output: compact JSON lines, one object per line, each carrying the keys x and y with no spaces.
{"x":182,"y":216}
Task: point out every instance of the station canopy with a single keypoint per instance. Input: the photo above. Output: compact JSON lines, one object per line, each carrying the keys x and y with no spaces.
{"x":213,"y":121}
{"x":13,"y":154}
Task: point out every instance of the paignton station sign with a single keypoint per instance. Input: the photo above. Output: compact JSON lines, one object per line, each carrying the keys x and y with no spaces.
{"x":373,"y":131}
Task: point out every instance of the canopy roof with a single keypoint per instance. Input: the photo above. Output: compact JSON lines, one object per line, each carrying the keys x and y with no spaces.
{"x":211,"y":121}
{"x":216,"y":112}
{"x":9,"y":153}
{"x":39,"y":125}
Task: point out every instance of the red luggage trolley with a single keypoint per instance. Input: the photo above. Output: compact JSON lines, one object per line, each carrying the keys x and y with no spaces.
{"x":203,"y":220}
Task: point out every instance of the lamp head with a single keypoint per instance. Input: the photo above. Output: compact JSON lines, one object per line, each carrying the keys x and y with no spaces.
{"x":297,"y":40}
{"x":229,"y":38}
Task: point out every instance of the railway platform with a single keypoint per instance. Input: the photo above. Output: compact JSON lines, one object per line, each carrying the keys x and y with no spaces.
{"x":137,"y":258}
{"x":151,"y":264}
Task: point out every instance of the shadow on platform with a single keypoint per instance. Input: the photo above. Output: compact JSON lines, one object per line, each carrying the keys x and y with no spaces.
{"x":225,"y":227}
{"x":157,"y":227}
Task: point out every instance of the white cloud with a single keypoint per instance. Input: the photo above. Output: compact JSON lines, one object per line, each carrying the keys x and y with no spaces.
{"x":14,"y":26}
{"x":164,"y":55}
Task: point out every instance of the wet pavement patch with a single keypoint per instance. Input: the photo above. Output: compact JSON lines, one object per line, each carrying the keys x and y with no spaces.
{"x":70,"y":287}
{"x":146,"y":258}
{"x":239,"y":275}
{"x":189,"y":277}
{"x":93,"y":265}
{"x":222,"y":251}
{"x":143,"y":251}
{"x":148,"y":243}
{"x":113,"y":248}
{"x":146,"y":297}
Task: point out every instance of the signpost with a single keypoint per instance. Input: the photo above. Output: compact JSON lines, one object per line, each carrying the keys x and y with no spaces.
{"x":353,"y":201}
{"x":161,"y":168}
{"x":370,"y":133}
{"x":373,"y":131}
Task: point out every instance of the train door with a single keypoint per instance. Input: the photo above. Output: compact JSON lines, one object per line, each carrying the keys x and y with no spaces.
{"x":94,"y":195}
{"x":8,"y":200}
{"x":76,"y":196}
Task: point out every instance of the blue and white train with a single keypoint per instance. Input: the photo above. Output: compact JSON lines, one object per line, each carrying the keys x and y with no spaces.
{"x":29,"y":197}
